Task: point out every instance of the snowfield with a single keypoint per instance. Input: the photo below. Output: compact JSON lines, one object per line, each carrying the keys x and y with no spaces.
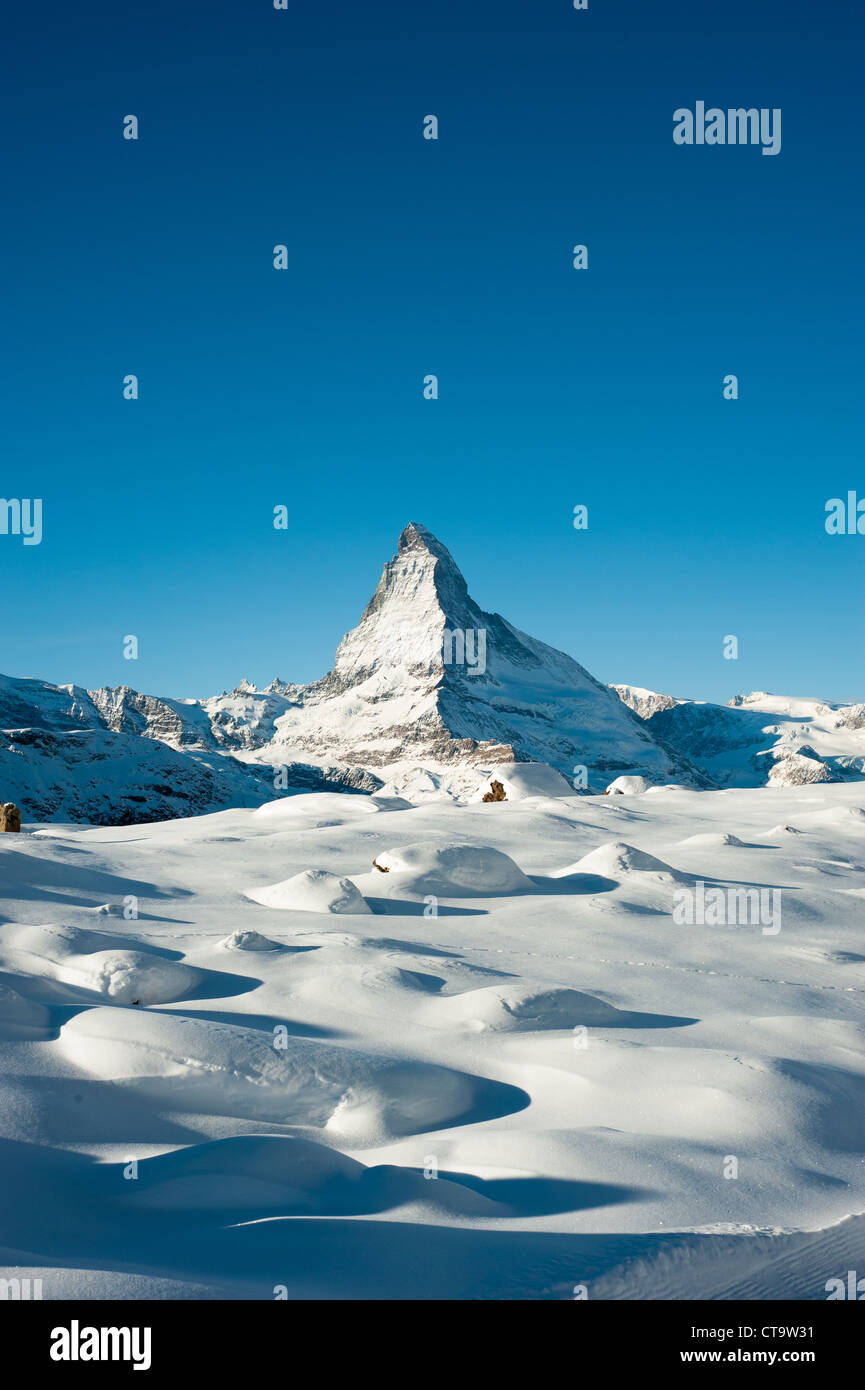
{"x":351,"y":1047}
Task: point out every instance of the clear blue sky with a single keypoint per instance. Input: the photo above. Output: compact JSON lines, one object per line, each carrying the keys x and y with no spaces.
{"x":409,"y":256}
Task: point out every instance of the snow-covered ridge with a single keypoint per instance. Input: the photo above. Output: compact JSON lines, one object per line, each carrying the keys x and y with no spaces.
{"x":643,"y":702}
{"x":759,"y":738}
{"x":114,"y":757}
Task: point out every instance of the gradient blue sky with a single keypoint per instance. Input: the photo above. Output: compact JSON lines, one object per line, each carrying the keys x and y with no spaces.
{"x":303,"y":387}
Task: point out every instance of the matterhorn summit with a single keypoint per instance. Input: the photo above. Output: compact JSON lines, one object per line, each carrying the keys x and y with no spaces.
{"x":420,"y":595}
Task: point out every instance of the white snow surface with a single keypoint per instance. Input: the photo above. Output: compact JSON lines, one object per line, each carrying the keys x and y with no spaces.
{"x":454,"y":870}
{"x":522,"y":780}
{"x":628,"y":786}
{"x":312,"y":890}
{"x":514,"y":1073}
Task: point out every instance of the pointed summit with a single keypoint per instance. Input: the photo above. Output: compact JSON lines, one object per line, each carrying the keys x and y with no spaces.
{"x":416,"y":542}
{"x":420,"y":595}
{"x":417,"y":537}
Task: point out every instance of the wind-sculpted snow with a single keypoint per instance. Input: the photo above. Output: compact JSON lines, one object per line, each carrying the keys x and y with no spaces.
{"x":453,"y":870}
{"x":91,"y":963}
{"x":228,"y":1070}
{"x":518,"y":1071}
{"x":313,"y":890}
{"x":627,"y":786}
{"x":249,"y":941}
{"x":618,"y":860}
{"x":522,"y":1008}
{"x":19,"y":1015}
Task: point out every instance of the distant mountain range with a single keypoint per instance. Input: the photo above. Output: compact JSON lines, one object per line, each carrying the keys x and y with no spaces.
{"x":426,"y":695}
{"x":759,"y":738}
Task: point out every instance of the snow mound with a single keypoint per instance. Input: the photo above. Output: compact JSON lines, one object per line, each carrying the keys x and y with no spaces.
{"x":312,"y":890}
{"x":452,"y":870}
{"x":19,"y":1015}
{"x":124,"y":976}
{"x":618,"y":860}
{"x":521,"y":1008}
{"x":132,"y":977}
{"x":839,"y":817}
{"x":519,"y":781}
{"x":714,"y":839}
{"x":339,"y":808}
{"x":259,"y":1171}
{"x":249,"y":941}
{"x":50,"y":942}
{"x":627,"y":786}
{"x":198,"y":1066}
{"x":288,"y":1176}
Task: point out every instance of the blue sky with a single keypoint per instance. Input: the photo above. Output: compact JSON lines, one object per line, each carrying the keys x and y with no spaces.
{"x":409,"y":257}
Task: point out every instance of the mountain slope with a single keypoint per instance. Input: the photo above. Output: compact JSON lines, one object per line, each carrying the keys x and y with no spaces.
{"x":430,"y":676}
{"x":114,"y":757}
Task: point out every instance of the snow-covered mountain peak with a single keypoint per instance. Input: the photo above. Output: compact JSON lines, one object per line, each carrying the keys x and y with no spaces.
{"x":423,"y":572}
{"x":644,"y":702}
{"x":421,"y":594}
{"x":417,"y":538}
{"x":428,"y":675}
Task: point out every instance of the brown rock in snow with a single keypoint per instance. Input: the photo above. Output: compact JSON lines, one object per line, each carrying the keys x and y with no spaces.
{"x":10,"y":817}
{"x":495,"y":793}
